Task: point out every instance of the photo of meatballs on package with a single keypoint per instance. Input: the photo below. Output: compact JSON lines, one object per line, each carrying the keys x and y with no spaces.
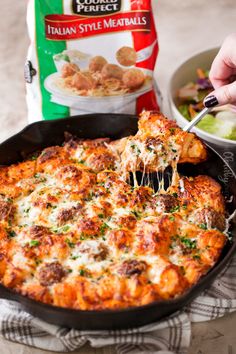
{"x":90,"y":56}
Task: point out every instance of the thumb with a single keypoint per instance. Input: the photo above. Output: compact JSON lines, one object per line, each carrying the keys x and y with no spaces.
{"x":222,"y":95}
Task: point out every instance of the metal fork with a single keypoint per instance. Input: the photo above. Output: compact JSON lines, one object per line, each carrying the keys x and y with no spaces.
{"x":197,"y":119}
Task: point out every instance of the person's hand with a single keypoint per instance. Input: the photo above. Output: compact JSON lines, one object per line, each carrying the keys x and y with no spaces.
{"x":223,"y":75}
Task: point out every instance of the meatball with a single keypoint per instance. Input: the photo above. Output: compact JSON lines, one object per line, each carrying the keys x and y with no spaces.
{"x":210,"y":217}
{"x":82,"y":82}
{"x":102,"y":254}
{"x":132,"y":267}
{"x":51,"y":273}
{"x":49,"y":153}
{"x":90,"y":227}
{"x":167,"y":202}
{"x":69,"y":69}
{"x":102,"y":160}
{"x":110,"y":71}
{"x":128,"y":221}
{"x":38,"y":231}
{"x":5,"y":210}
{"x":140,"y":197}
{"x":126,"y":56}
{"x":97,"y":63}
{"x":66,"y":215}
{"x":133,"y":78}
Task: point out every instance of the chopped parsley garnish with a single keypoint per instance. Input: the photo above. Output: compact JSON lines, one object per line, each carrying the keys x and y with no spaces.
{"x":175,"y":195}
{"x":184,"y":206}
{"x":26,"y":211}
{"x":40,"y":178}
{"x":89,"y":197}
{"x":34,"y":243}
{"x":135,"y":149}
{"x":103,"y":228}
{"x":34,"y":157}
{"x":203,"y":226}
{"x":49,"y":205}
{"x":38,"y":261}
{"x":196,"y":256}
{"x":81,"y":272}
{"x":82,"y":162}
{"x":65,"y":228}
{"x":70,"y":243}
{"x":11,"y":233}
{"x":188,"y":243}
{"x":82,"y":236}
{"x":136,"y":214}
{"x":172,"y":218}
{"x":174,"y":209}
{"x":60,"y":229}
{"x":55,"y":230}
{"x":74,"y":257}
{"x":101,"y":216}
{"x":172,"y":130}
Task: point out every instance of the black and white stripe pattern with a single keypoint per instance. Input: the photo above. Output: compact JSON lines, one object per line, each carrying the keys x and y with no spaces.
{"x":166,"y":337}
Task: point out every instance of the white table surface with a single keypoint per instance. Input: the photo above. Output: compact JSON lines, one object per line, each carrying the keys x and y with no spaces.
{"x":184,"y":27}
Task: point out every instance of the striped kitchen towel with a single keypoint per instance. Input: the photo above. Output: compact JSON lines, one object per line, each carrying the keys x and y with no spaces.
{"x":171,"y":335}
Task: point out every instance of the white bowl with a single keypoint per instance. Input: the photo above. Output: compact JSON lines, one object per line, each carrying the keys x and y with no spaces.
{"x":91,"y":104}
{"x":185,"y":73}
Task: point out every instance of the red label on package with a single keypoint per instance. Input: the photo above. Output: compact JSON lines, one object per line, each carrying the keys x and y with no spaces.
{"x":66,"y":27}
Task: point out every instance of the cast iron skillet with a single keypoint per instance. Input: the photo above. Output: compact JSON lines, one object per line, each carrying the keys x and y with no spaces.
{"x":42,"y":134}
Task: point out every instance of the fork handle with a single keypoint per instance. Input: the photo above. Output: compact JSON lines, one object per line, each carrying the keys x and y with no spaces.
{"x":197,"y":119}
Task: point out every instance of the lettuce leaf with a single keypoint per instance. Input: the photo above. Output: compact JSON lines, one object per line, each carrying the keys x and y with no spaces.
{"x":183,"y":108}
{"x":222,"y":128}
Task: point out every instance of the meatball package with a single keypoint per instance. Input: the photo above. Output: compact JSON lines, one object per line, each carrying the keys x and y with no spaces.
{"x":90,"y":56}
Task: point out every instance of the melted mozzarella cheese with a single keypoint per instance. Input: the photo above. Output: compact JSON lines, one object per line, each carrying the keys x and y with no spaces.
{"x":157,"y":267}
{"x":25,"y":213}
{"x":174,"y":258}
{"x":19,"y":261}
{"x":78,"y":153}
{"x":83,"y":256}
{"x":181,"y":184}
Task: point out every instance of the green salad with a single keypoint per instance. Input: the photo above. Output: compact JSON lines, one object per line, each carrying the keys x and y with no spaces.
{"x":220,"y":122}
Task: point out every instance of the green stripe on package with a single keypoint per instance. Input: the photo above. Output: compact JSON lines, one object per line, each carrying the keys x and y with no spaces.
{"x":47,"y":53}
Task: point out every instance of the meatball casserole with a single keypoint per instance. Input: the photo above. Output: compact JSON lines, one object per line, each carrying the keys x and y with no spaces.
{"x":76,"y":233}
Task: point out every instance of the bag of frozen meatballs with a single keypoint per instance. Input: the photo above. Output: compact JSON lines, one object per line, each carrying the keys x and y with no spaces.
{"x":90,"y":56}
